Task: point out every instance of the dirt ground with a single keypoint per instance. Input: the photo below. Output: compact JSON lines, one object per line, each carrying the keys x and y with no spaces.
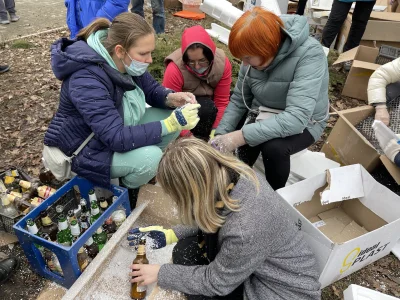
{"x":36,"y":16}
{"x":28,"y":99}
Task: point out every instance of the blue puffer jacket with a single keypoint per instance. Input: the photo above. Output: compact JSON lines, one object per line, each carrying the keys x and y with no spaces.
{"x":91,"y":101}
{"x":81,"y":12}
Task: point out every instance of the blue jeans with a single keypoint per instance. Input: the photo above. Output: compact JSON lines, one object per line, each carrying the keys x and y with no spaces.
{"x":158,"y":13}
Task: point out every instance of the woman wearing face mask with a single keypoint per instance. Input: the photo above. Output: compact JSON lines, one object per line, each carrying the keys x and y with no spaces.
{"x":201,"y":68}
{"x":283,"y":69}
{"x":104,"y":91}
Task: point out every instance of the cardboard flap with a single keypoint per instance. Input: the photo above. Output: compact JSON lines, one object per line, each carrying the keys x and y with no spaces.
{"x":385,"y":16}
{"x":344,"y":183}
{"x":346,"y":56}
{"x":392,"y":168}
{"x":371,"y":67}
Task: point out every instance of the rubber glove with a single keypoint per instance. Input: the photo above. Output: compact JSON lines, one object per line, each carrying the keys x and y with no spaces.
{"x":185,"y":117}
{"x":180,"y":99}
{"x":382,"y":114}
{"x":212,"y":134}
{"x":228,"y":142}
{"x":160,"y":236}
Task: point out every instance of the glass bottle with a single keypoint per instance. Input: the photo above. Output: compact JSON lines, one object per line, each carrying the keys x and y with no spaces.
{"x":83,"y":259}
{"x":92,"y":196}
{"x":75,"y":230}
{"x":94,"y":212}
{"x":92,"y":248}
{"x":100,"y":237}
{"x":48,"y":226}
{"x":84,"y":223}
{"x":139,"y":292}
{"x":8,"y":208}
{"x":103,"y":204}
{"x":64,"y":236}
{"x":84,"y":208}
{"x":119,"y":215}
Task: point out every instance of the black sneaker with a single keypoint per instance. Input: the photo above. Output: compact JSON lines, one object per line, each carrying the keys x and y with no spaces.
{"x":4,"y":69}
{"x":7,"y":268}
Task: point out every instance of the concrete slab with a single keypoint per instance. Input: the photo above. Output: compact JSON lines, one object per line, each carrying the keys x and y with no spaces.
{"x":52,"y":291}
{"x":36,"y":16}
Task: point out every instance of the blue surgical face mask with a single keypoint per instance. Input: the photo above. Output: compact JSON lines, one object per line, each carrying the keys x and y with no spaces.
{"x":136,"y":68}
{"x":200,"y":71}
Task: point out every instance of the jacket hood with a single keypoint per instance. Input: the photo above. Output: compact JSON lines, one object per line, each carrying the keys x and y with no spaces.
{"x":69,"y":56}
{"x":197,"y":34}
{"x":296,"y":32}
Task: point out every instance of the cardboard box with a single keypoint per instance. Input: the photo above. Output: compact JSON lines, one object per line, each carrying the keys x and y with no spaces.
{"x":363,"y":66}
{"x":382,"y":29}
{"x":347,"y":145}
{"x":377,"y":211}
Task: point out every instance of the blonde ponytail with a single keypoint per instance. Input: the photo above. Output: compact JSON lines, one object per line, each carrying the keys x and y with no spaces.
{"x":96,"y":25}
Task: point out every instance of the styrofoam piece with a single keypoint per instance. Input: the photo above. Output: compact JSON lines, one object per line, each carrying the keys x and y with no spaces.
{"x":219,"y":32}
{"x":94,"y":271}
{"x":396,"y":250}
{"x":310,"y":164}
{"x":356,"y":292}
{"x":222,"y":11}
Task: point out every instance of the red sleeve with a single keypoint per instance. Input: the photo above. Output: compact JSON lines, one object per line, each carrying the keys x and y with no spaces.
{"x":222,"y":92}
{"x":173,"y":78}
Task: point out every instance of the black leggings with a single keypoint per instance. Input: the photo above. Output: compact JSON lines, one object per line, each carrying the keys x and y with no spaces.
{"x":338,"y":15}
{"x":188,"y":253}
{"x":207,"y":114}
{"x":276,"y":156}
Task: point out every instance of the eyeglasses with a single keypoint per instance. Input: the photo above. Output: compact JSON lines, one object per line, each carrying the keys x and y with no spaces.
{"x":202,"y":63}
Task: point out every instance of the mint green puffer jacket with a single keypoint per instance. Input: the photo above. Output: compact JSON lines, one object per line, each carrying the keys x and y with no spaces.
{"x":296,"y":81}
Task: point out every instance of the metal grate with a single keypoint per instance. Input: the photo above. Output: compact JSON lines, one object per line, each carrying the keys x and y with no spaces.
{"x":387,"y":54}
{"x":365,"y":126}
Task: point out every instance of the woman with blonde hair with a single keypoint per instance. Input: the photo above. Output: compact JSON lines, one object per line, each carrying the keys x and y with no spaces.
{"x":284,"y":71}
{"x":237,"y":239}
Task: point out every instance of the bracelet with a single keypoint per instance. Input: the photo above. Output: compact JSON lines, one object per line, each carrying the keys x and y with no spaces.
{"x":180,"y":117}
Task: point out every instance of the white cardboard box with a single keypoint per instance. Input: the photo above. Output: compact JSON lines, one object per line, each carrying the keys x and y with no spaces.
{"x":356,"y":292}
{"x":376,"y":212}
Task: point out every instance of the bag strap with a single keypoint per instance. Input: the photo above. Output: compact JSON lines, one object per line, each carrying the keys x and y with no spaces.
{"x":83,"y":145}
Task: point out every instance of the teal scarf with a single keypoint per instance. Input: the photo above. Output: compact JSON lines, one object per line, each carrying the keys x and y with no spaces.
{"x":134,"y":102}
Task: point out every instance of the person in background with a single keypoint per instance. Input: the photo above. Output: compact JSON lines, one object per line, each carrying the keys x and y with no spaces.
{"x":237,"y":239}
{"x":301,"y":6}
{"x":4,"y":68}
{"x":285,"y":69}
{"x":203,"y":69}
{"x":383,"y":87}
{"x":158,"y":13}
{"x":7,"y":7}
{"x":80,"y":13}
{"x":339,"y":12}
{"x":105,"y":90}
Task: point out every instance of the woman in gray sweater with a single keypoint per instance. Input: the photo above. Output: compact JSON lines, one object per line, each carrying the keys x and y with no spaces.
{"x":238,"y":239}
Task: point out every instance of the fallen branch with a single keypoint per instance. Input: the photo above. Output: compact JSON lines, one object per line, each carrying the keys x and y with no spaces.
{"x":36,"y":34}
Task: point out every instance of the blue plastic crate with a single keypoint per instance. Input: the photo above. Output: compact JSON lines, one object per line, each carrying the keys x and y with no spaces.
{"x":67,"y":256}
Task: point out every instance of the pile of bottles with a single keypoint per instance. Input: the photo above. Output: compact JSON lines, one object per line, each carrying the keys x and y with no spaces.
{"x":72,"y":224}
{"x":19,"y":196}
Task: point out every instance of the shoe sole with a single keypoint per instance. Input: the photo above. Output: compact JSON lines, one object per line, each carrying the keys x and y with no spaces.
{"x":16,"y":267}
{"x":4,"y":23}
{"x":4,"y":71}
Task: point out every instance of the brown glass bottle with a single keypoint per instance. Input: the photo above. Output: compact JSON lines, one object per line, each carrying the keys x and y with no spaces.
{"x":48,"y":226}
{"x":139,"y":292}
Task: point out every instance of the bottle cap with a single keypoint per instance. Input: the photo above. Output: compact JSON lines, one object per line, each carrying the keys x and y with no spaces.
{"x":89,"y":241}
{"x":99,"y":230}
{"x":59,"y":209}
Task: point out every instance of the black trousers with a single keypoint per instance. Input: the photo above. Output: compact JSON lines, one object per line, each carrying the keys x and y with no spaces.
{"x":361,"y":14}
{"x":300,"y":7}
{"x":276,"y":156}
{"x":207,"y":114}
{"x":188,"y":253}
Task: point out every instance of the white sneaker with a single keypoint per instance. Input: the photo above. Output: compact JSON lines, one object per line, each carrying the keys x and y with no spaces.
{"x":14,"y":18}
{"x":4,"y":22}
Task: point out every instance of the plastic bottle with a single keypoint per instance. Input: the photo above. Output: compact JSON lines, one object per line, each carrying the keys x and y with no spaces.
{"x":383,"y":133}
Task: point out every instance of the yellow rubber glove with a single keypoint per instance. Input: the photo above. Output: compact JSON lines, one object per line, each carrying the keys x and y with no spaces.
{"x":212,"y":134}
{"x":160,"y":236}
{"x":185,"y":117}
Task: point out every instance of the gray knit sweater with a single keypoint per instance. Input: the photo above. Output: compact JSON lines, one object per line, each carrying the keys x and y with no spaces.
{"x":260,"y":246}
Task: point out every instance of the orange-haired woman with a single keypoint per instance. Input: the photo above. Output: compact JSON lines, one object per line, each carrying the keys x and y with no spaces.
{"x":284,"y":70}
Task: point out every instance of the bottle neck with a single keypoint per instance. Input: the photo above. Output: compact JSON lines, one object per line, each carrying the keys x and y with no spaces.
{"x":25,"y":184}
{"x":89,"y":242}
{"x":62,"y":225}
{"x":46,"y":221}
{"x":33,"y":229}
{"x":75,"y":230}
{"x":141,"y":250}
{"x":95,"y":211}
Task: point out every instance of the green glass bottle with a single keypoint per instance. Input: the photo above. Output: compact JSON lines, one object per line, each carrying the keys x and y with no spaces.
{"x":33,"y":229}
{"x":94,"y":212}
{"x":100,"y":238}
{"x":64,"y":236}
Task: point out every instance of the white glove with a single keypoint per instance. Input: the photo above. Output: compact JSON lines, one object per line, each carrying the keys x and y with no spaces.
{"x":382,"y":114}
{"x":391,"y":149}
